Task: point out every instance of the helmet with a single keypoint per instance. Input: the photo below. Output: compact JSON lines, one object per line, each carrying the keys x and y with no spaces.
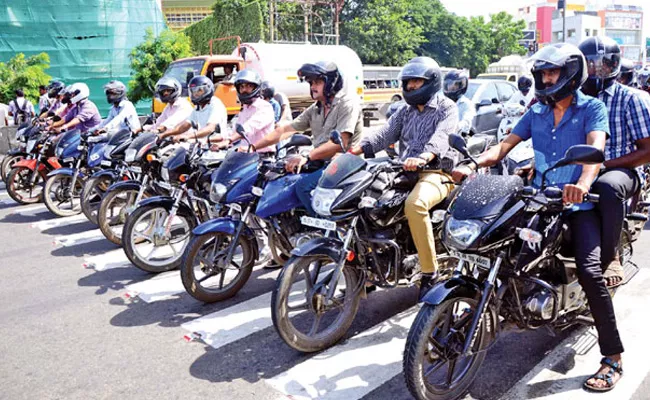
{"x":455,"y":84}
{"x":54,"y":89}
{"x":252,"y":77}
{"x":524,"y":84}
{"x":421,"y":68}
{"x":628,"y":74}
{"x":603,"y":63}
{"x":115,"y":92}
{"x":78,"y":91}
{"x":393,"y":108}
{"x":168,"y":83}
{"x":570,"y":60}
{"x":201,"y":89}
{"x":268,"y":91}
{"x":327,"y":71}
{"x":644,"y":80}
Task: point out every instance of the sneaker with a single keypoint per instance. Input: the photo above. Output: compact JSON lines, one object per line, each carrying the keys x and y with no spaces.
{"x":427,"y":281}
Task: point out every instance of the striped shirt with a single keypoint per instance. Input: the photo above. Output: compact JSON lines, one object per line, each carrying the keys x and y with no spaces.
{"x":629,"y":119}
{"x":420,"y":132}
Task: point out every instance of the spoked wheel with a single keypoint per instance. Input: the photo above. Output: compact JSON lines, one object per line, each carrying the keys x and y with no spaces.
{"x":152,"y":242}
{"x":113,"y":210}
{"x":303,"y":315}
{"x":91,"y":196}
{"x":433,"y":365}
{"x":8,"y":164}
{"x":25,"y":186}
{"x":59,"y":196}
{"x":206,"y":272}
{"x":278,"y":252}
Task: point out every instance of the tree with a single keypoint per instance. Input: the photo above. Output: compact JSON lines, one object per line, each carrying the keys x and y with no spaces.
{"x":505,"y":34}
{"x":150,"y":59}
{"x":26,"y":73}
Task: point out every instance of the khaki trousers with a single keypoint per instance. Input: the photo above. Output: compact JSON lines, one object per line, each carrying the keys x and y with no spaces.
{"x":427,"y":193}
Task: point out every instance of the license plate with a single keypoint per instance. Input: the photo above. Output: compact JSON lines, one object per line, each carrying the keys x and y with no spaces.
{"x":106,"y":163}
{"x":137,"y":170}
{"x":318,"y":223}
{"x":481,"y":261}
{"x":165,"y":185}
{"x":68,"y":160}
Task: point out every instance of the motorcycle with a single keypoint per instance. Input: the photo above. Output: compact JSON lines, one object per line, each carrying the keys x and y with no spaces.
{"x":18,"y":153}
{"x":514,"y":271}
{"x":522,"y":155}
{"x":228,"y":245}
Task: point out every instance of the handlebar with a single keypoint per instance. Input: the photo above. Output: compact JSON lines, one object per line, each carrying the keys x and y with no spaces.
{"x":554,"y":194}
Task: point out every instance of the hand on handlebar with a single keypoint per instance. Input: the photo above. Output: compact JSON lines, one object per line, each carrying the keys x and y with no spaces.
{"x":574,"y":193}
{"x":295,"y":164}
{"x":461,"y":172}
{"x":413,"y":163}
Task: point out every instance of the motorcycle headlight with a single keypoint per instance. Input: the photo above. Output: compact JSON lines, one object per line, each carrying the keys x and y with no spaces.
{"x":323,"y":199}
{"x":217,"y":191}
{"x":59,"y":151}
{"x":462,"y":233}
{"x":164,"y":173}
{"x":129,"y":155}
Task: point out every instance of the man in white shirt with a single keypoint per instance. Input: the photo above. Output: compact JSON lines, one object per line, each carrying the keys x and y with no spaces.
{"x":178,"y":109}
{"x":455,"y":86}
{"x":209,"y":114}
{"x":122,"y":110}
{"x":4,"y":111}
{"x":44,"y":101}
{"x":524,"y":94}
{"x":21,"y":109}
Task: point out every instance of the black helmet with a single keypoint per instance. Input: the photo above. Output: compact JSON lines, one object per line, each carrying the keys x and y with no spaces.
{"x":54,"y":88}
{"x":168,"y":83}
{"x":115,"y":92}
{"x":327,"y":71}
{"x":201,"y":89}
{"x":570,"y":60}
{"x":603,"y":63}
{"x":524,"y":84}
{"x":627,"y":75}
{"x":455,"y":84}
{"x":644,"y":80}
{"x":421,"y":68}
{"x":268,"y":91}
{"x":252,"y":77}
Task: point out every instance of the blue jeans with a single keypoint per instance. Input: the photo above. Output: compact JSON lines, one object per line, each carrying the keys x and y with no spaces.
{"x":304,"y":187}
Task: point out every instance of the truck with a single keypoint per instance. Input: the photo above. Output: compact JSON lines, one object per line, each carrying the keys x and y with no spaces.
{"x":276,"y":62}
{"x":509,"y":68}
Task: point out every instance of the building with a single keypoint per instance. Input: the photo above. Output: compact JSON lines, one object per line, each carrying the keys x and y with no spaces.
{"x":624,"y":24}
{"x":182,"y":13}
{"x":578,"y":27}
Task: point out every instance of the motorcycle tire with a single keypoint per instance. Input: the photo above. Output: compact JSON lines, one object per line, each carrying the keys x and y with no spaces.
{"x":14,"y":179}
{"x":112,"y":226}
{"x":194,"y":261}
{"x":7,"y":165}
{"x":91,"y":196}
{"x":54,"y":199}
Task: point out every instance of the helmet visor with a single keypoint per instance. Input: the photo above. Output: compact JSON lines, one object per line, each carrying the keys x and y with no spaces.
{"x":198,"y":91}
{"x":452,"y":85}
{"x":602,"y":66}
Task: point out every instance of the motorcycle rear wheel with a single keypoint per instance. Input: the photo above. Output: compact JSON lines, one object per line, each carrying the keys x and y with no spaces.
{"x":19,"y":180}
{"x":8,"y":164}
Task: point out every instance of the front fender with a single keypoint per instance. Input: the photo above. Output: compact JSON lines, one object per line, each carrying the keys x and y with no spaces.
{"x":223,"y":224}
{"x":109,"y":173}
{"x":26,"y":163}
{"x":322,"y":246}
{"x":454,"y":287}
{"x":64,"y":171}
{"x":124,"y":185}
{"x":167,"y":203}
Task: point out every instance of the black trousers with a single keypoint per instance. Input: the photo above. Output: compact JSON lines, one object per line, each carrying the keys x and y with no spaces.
{"x":615,"y":186}
{"x":586,"y":237}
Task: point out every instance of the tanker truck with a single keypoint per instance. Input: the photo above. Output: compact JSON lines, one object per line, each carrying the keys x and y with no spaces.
{"x":278,"y":63}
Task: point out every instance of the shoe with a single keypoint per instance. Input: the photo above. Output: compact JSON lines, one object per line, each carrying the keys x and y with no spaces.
{"x":427,"y":281}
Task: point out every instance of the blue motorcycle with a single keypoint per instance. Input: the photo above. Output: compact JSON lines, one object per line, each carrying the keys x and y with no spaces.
{"x":220,"y":257}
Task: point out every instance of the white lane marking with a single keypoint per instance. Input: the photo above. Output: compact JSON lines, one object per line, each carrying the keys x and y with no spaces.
{"x":581,"y":351}
{"x":28,"y":210}
{"x":53,"y":223}
{"x":79,"y":238}
{"x":161,"y":287}
{"x":110,"y":260}
{"x":352,"y":369}
{"x":233,"y":323}
{"x":3,"y":193}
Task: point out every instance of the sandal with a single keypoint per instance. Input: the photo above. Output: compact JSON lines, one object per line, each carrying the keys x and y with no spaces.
{"x":614,"y":367}
{"x":614,"y":275}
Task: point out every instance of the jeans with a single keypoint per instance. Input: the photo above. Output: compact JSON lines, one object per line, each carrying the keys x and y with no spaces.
{"x":586,"y":237}
{"x":427,"y":193}
{"x":305,"y":186}
{"x":615,"y":187}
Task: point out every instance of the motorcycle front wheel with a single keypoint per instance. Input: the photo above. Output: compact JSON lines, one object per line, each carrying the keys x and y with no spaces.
{"x":113,"y":211}
{"x":60,"y":198}
{"x":20,"y":187}
{"x":302,"y":314}
{"x":91,"y":196}
{"x":8,"y":164}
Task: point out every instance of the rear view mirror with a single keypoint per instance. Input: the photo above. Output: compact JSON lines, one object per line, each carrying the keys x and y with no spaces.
{"x":336,"y":138}
{"x":194,"y":125}
{"x":483,"y":103}
{"x":582,"y":154}
{"x":298,"y":140}
{"x":189,"y":76}
{"x":495,"y":101}
{"x":458,"y":143}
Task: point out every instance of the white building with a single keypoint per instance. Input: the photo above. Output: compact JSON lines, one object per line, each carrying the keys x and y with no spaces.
{"x":578,"y":27}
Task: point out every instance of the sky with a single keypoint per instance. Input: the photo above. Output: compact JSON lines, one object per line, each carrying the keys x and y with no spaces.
{"x":469,"y":8}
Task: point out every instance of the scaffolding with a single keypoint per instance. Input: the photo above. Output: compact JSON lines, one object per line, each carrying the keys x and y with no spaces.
{"x":317,"y":30}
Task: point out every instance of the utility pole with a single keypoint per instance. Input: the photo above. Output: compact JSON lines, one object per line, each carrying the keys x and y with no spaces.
{"x":272,"y":20}
{"x":561,"y":5}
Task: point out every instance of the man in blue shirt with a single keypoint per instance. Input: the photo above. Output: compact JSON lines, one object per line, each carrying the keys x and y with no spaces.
{"x":565,"y":117}
{"x":268,"y":92}
{"x":626,"y":150}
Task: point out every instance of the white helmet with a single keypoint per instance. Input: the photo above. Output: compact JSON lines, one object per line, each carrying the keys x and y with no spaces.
{"x":78,"y":91}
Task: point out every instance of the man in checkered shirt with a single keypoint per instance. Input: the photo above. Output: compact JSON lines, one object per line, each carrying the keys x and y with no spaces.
{"x":627,"y":148}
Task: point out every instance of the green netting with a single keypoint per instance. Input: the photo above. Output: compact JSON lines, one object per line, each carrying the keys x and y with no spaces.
{"x":87,"y":40}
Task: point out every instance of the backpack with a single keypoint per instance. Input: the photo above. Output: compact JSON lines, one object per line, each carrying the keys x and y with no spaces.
{"x":21,"y":113}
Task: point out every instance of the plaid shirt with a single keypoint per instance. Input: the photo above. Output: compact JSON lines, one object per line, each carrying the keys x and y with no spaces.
{"x":629,"y":119}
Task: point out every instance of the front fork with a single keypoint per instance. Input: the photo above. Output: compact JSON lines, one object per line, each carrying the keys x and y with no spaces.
{"x":178,"y":196}
{"x":331,"y":290}
{"x":74,"y":178}
{"x":138,"y":198}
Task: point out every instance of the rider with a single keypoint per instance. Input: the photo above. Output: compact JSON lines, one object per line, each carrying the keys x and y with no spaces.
{"x":268,"y":94}
{"x":333,"y":110}
{"x":83,"y":114}
{"x":55,"y":94}
{"x":122,"y":110}
{"x":627,"y":148}
{"x":178,"y":109}
{"x":627,"y":76}
{"x":525,"y":95}
{"x":643,"y":80}
{"x":208,"y":114}
{"x":455,"y":87}
{"x":564,"y":117}
{"x":422,"y":128}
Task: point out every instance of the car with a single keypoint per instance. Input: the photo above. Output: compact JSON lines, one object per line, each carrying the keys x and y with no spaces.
{"x":489,"y":96}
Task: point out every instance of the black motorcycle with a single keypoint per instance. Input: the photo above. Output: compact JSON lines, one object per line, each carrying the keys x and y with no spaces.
{"x":515,"y":270}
